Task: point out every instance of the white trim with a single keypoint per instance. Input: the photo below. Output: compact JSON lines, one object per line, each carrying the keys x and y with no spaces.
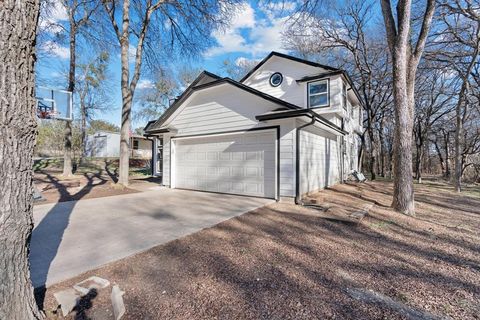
{"x":222,"y":134}
{"x":327,"y":93}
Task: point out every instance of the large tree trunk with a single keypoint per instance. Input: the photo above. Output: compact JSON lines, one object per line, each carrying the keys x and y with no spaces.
{"x":123,"y":170}
{"x":405,"y":58}
{"x":403,"y":200}
{"x":18,"y":127}
{"x":67,"y":157}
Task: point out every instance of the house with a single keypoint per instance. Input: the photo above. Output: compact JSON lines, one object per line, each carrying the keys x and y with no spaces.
{"x":105,"y":144}
{"x":288,"y":128}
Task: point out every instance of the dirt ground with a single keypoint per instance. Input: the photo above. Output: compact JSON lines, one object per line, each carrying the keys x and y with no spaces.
{"x":86,"y":183}
{"x":291,"y":262}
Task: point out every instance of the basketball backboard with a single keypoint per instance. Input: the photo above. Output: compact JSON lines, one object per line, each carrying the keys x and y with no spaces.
{"x":54,"y":103}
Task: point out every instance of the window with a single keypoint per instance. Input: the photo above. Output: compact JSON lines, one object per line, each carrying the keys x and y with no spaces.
{"x":135,"y":144}
{"x":344,"y":96}
{"x":276,"y":79}
{"x":318,"y":94}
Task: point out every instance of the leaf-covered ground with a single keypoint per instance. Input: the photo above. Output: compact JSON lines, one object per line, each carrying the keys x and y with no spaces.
{"x":290,"y":262}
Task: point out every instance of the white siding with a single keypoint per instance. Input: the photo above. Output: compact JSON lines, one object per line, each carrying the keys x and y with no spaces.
{"x":289,"y":90}
{"x":287,"y":158}
{"x":218,"y":109}
{"x":319,"y":160}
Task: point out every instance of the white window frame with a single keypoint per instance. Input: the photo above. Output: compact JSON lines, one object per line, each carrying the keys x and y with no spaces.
{"x":318,"y":94}
{"x":344,"y":96}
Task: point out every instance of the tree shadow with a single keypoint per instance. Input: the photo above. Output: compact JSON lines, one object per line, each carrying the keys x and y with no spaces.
{"x":48,"y":233}
{"x":84,"y":305}
{"x":112,"y":174}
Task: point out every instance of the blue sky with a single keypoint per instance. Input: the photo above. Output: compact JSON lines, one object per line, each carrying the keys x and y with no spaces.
{"x":255,"y":31}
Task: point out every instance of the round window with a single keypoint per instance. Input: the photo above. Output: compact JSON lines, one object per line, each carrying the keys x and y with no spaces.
{"x":276,"y":79}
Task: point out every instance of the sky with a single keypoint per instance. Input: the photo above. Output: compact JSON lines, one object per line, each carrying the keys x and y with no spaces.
{"x":254,"y":32}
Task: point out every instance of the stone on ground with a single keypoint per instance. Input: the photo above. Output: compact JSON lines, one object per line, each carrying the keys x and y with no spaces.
{"x":67,"y":299}
{"x":117,"y":302}
{"x":93,"y":282}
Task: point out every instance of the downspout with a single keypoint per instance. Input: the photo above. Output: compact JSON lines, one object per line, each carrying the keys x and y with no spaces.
{"x":297,"y":152}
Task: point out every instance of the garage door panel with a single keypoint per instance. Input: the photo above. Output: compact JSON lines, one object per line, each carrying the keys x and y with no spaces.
{"x":239,"y":164}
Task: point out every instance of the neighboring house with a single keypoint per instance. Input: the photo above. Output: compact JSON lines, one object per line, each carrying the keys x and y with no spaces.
{"x":288,"y":128}
{"x":104,"y":144}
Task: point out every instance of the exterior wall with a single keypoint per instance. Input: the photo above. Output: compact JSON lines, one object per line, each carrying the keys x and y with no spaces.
{"x":144,"y":149}
{"x":319,"y":160}
{"x":289,"y":90}
{"x":102,"y":144}
{"x":219,"y":109}
{"x":287,"y":157}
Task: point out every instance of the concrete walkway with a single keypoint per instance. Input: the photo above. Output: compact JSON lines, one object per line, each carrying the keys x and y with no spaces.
{"x":73,"y":237}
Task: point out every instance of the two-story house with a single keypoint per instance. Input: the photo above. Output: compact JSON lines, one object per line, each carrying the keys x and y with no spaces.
{"x":288,"y":128}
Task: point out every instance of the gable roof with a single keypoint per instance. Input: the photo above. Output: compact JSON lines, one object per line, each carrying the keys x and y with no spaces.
{"x":286,"y":56}
{"x":157,"y":126}
{"x":204,"y":75}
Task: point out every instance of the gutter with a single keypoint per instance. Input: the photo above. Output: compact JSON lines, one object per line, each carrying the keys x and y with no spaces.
{"x":297,"y":162}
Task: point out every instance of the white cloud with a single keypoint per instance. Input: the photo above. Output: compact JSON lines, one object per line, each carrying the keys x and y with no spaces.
{"x":55,"y":49}
{"x":245,"y":62}
{"x":52,"y":14}
{"x":251,"y":35}
{"x":245,"y":17}
{"x":145,"y":84}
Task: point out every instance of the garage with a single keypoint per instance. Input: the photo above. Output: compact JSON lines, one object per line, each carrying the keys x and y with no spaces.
{"x":238,"y":163}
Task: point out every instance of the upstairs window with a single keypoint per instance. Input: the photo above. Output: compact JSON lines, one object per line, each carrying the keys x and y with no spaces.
{"x":135,"y":144}
{"x":344,"y":96}
{"x":318,"y":94}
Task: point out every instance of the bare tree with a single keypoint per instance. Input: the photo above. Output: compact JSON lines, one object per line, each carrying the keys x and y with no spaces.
{"x":79,"y":14}
{"x":406,"y":56}
{"x":237,"y":68}
{"x":156,"y":96}
{"x":18,"y":127}
{"x":460,"y":47}
{"x":433,"y":101}
{"x":345,"y":36}
{"x":161,"y":29}
{"x":92,"y":90}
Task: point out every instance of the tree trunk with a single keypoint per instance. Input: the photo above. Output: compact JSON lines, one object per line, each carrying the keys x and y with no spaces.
{"x":123,"y":170}
{"x":382,"y":149}
{"x":440,"y":158}
{"x":403,"y":198}
{"x":84,"y":131}
{"x":18,"y":128}
{"x":67,"y":157}
{"x":372,"y":153}
{"x":67,"y":151}
{"x":446,"y":140}
{"x":361,"y":153}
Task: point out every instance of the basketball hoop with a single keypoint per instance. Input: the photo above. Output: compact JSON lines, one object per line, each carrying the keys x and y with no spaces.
{"x":47,"y":114}
{"x":54,"y":104}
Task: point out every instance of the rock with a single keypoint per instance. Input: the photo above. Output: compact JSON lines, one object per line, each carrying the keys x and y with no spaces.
{"x":67,"y":299}
{"x":117,"y":302}
{"x":94,"y":282}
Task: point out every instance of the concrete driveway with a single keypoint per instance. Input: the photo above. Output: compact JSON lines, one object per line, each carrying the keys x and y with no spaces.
{"x":73,"y":237}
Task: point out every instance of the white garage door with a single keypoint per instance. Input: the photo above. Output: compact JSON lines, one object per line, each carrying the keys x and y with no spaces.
{"x":234,"y":163}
